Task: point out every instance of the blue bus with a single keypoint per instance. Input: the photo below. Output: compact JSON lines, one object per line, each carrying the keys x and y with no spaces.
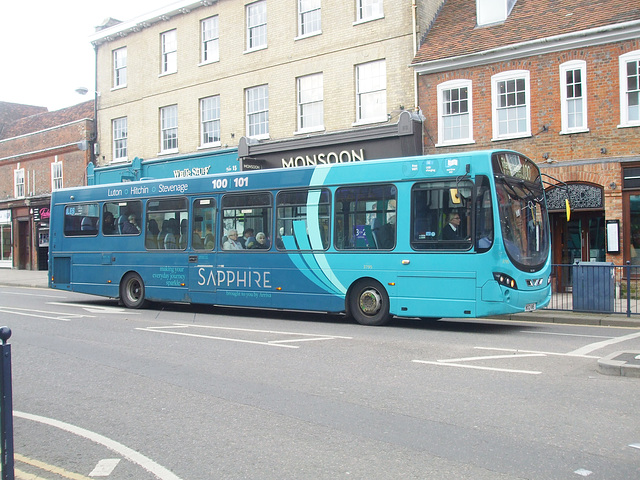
{"x":455,"y":235}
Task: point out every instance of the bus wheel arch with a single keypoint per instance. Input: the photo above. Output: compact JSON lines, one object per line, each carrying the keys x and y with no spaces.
{"x":132,"y":290}
{"x":368,"y":302}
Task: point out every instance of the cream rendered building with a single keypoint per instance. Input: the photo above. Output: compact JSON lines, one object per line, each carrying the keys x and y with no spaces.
{"x":197,"y":76}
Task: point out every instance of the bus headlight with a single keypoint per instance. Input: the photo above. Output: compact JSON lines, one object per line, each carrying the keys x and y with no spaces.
{"x":505,"y":280}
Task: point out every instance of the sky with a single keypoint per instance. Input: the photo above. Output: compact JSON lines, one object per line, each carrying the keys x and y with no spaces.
{"x":45,"y":53}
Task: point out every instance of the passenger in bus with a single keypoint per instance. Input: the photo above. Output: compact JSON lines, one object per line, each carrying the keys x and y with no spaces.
{"x":151,"y":240}
{"x":108,"y":228}
{"x":451,"y":230}
{"x":232,"y":242}
{"x":87,"y":224}
{"x":130,"y":227}
{"x":247,"y":240}
{"x":196,"y":240}
{"x":183,"y":233}
{"x":122,"y":221}
{"x":261,"y":241}
{"x":209,"y":238}
{"x":170,"y":239}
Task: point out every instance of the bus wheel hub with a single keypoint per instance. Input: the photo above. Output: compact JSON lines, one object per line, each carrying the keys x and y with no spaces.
{"x":370,"y":302}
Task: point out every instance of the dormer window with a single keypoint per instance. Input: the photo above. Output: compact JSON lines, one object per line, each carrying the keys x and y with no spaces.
{"x":493,"y":11}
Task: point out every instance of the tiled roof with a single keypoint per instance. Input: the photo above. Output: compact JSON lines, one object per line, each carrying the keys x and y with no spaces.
{"x":42,"y":121}
{"x":10,"y":112}
{"x":454,"y":32}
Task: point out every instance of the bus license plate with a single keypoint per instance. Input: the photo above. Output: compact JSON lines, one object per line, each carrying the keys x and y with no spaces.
{"x":529,"y":307}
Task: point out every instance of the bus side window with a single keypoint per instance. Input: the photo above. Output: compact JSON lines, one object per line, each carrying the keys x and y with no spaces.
{"x":302,"y":219}
{"x":81,"y":220}
{"x":484,"y":215}
{"x":121,"y":218}
{"x":441,"y":215}
{"x":245,"y":215}
{"x":365,"y":217}
{"x":204,"y":224}
{"x":165,"y":215}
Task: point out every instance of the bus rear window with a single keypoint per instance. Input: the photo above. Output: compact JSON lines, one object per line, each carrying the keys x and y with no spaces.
{"x":81,"y":220}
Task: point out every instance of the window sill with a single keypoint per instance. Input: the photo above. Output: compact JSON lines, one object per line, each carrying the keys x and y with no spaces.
{"x":164,"y":74}
{"x":256,"y":49}
{"x":259,"y":137}
{"x":168,"y":152}
{"x":629,"y":125}
{"x":512,"y":137}
{"x":120,"y":160}
{"x":119,"y":87}
{"x":209,"y":62}
{"x":307,"y":35}
{"x":370,"y":121}
{"x":576,"y":130}
{"x":468,"y":141}
{"x":369,"y":19}
{"x":304,"y":131}
{"x":209,"y":145}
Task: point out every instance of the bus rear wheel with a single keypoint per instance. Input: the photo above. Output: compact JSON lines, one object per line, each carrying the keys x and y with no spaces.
{"x":369,"y":303}
{"x":132,"y":291}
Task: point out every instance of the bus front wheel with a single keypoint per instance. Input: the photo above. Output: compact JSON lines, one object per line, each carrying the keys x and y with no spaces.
{"x":132,"y":291}
{"x":369,"y":303}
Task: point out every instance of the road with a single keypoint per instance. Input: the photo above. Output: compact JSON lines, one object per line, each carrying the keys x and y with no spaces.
{"x":183,"y":392}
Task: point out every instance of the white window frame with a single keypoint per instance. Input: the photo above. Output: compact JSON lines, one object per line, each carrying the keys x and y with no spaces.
{"x":18,"y":182}
{"x":256,"y":14}
{"x":625,"y":120}
{"x":458,"y":84}
{"x":367,"y":10}
{"x":120,"y":67}
{"x":169,"y":129}
{"x":210,"y":40}
{"x":496,"y":80}
{"x":257,"y":105}
{"x":56,"y":175}
{"x":310,"y":100}
{"x":371,"y":85}
{"x":169,"y":57}
{"x":309,"y":18}
{"x":565,"y":100}
{"x":210,"y":121}
{"x":119,"y":134}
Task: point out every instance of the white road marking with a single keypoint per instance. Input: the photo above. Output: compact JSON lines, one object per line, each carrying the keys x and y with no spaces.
{"x":96,"y":308}
{"x":492,"y":357}
{"x":605,"y":343}
{"x":149,"y":465}
{"x":566,"y":334}
{"x":29,"y":312}
{"x":476,"y":367}
{"x":210,"y":337}
{"x":105,"y":467}
{"x":583,"y":472}
{"x":535,"y":351}
{"x":635,"y":445}
{"x":171,"y":329}
{"x":33,"y":294}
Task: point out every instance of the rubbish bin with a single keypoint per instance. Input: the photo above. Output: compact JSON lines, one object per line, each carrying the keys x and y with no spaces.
{"x":593,"y":286}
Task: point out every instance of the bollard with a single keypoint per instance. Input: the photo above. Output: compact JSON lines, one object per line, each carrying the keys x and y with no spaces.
{"x":6,"y":407}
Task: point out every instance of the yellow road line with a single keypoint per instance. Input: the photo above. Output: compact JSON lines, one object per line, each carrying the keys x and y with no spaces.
{"x":48,"y":468}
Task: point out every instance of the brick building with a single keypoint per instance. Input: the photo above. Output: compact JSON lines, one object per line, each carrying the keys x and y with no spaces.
{"x":39,"y":152}
{"x":557,"y":81}
{"x":199,"y":75}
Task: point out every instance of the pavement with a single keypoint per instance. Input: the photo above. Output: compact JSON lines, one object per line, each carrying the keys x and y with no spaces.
{"x":625,"y":363}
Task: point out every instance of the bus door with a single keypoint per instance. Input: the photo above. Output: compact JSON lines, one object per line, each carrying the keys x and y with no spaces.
{"x":202,"y":251}
{"x":166,"y":236}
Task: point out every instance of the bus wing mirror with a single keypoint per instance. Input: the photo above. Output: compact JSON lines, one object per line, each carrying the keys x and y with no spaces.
{"x":455,"y":195}
{"x":567,"y":208}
